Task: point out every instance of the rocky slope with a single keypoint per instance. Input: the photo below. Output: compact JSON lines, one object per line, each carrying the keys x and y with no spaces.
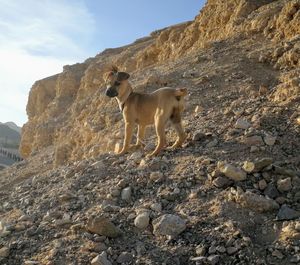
{"x":230,"y":196}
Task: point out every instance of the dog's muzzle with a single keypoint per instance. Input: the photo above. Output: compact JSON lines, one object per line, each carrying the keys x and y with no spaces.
{"x":111,"y":92}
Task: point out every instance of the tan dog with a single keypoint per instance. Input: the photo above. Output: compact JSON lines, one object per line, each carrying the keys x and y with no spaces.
{"x":164,"y":104}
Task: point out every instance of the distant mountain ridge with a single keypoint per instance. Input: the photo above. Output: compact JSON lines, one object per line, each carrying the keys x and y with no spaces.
{"x":14,"y":126}
{"x":10,"y":135}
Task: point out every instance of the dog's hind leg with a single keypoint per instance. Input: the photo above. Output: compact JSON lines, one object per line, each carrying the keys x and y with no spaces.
{"x":127,"y":138}
{"x":160,"y":123}
{"x":181,"y":135}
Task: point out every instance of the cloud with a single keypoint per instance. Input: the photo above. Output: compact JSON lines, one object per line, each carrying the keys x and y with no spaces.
{"x":36,"y":39}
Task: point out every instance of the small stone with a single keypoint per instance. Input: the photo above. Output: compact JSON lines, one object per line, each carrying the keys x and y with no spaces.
{"x":199,"y":136}
{"x":125,"y":257}
{"x":169,"y":225}
{"x":271,"y":191}
{"x":4,"y":252}
{"x":295,"y":258}
{"x":242,"y":124}
{"x":287,"y":213}
{"x":101,"y":259}
{"x":284,"y":185}
{"x":276,"y":253}
{"x":270,"y":140}
{"x":212,"y":249}
{"x":200,"y":250}
{"x":115,"y":192}
{"x":280,"y":200}
{"x":255,"y":202}
{"x":102,"y":226}
{"x":255,"y":140}
{"x":99,"y":247}
{"x":221,"y":182}
{"x":31,"y":262}
{"x":155,"y":176}
{"x":231,"y":250}
{"x":66,"y":197}
{"x":285,"y":172}
{"x":142,"y":220}
{"x":213,"y":259}
{"x":198,"y":109}
{"x":121,"y":184}
{"x":24,"y":218}
{"x":254,"y":149}
{"x":126,"y":194}
{"x":199,"y":260}
{"x":262,"y":184}
{"x":232,"y":172}
{"x":221,"y":249}
{"x":156,"y":207}
{"x":257,"y":165}
{"x":212,"y":143}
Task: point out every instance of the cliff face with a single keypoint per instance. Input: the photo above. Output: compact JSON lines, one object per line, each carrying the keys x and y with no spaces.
{"x":70,"y":111}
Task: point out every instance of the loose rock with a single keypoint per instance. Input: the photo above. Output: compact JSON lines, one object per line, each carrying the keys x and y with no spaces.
{"x":287,"y":213}
{"x":142,"y":220}
{"x":169,"y":225}
{"x":4,"y":252}
{"x":256,"y":202}
{"x":284,"y":185}
{"x":101,"y":259}
{"x":232,"y":172}
{"x":242,"y":124}
{"x":257,"y":165}
{"x":102,"y":226}
{"x":125,"y":258}
{"x":126,"y":194}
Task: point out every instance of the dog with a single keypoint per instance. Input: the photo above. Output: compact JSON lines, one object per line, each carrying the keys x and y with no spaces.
{"x":159,"y":107}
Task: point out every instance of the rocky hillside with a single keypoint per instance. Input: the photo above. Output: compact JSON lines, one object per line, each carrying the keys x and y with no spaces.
{"x":231,"y":195}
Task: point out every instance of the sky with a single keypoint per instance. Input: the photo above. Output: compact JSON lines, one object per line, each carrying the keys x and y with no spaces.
{"x":39,"y":37}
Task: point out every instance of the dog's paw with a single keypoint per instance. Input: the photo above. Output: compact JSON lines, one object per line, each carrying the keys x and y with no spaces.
{"x":120,"y":153}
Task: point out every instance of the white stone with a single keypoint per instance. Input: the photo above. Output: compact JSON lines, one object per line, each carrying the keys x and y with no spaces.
{"x":101,"y":259}
{"x":142,"y":220}
{"x":168,"y":225}
{"x":270,"y":140}
{"x":242,"y":124}
{"x":126,"y":194}
{"x":232,"y":172}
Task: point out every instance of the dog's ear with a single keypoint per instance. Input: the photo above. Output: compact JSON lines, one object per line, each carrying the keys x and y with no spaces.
{"x":122,"y":76}
{"x":107,"y":75}
{"x":114,"y":68}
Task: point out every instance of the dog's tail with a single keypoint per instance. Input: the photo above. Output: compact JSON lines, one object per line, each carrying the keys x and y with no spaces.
{"x":181,"y":92}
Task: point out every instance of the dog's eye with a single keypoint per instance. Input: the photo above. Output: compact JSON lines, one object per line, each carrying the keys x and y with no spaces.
{"x":117,"y":83}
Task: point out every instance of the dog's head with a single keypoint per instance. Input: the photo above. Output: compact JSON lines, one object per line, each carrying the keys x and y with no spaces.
{"x":116,"y":82}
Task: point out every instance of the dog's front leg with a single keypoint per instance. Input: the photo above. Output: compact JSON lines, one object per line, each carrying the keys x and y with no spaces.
{"x":140,"y":136}
{"x":127,"y":138}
